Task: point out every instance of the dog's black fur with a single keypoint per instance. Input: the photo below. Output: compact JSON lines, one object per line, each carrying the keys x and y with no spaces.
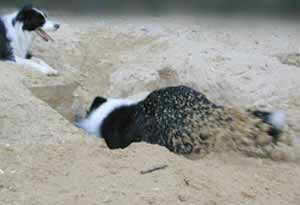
{"x":120,"y":127}
{"x":5,"y":49}
{"x":97,"y":102}
{"x":264,"y":116}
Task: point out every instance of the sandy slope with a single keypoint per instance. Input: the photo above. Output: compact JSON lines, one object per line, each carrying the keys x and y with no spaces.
{"x":88,"y":173}
{"x":243,"y":62}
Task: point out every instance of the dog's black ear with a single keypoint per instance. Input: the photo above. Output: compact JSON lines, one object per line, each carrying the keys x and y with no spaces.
{"x":27,"y":7}
{"x":97,"y":102}
{"x":24,"y":11}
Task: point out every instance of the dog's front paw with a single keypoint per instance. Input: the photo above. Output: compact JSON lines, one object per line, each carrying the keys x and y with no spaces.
{"x":52,"y":72}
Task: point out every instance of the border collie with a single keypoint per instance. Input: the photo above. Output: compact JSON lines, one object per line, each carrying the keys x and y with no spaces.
{"x":178,"y":118}
{"x":17,"y":32}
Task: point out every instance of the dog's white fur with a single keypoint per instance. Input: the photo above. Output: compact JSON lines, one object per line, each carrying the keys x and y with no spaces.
{"x":21,"y":41}
{"x":277,"y":119}
{"x":93,"y":123}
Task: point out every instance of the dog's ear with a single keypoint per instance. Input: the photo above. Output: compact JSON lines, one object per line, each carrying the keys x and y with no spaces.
{"x":24,"y":12}
{"x":97,"y":102}
{"x":28,"y":7}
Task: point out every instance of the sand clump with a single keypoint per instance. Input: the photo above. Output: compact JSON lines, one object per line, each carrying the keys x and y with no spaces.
{"x":292,"y":59}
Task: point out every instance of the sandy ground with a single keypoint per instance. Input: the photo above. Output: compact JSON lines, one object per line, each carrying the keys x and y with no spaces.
{"x":243,"y":62}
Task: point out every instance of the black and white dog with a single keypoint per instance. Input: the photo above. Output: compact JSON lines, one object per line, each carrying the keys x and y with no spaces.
{"x":17,"y":32}
{"x":175,"y":117}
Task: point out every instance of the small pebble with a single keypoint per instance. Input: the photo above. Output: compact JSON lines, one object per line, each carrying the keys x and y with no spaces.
{"x":182,"y":198}
{"x":264,"y":139}
{"x":248,"y":195}
{"x":1,"y":171}
{"x":13,"y":171}
{"x":106,"y":199}
{"x":156,"y":189}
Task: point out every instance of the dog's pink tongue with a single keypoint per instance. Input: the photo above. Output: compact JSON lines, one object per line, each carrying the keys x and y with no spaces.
{"x":44,"y":35}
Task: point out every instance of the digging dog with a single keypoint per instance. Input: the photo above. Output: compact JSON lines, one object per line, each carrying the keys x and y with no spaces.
{"x":183,"y":120}
{"x":17,"y":32}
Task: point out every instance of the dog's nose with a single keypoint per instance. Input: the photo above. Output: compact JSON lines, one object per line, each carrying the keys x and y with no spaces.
{"x":56,"y":26}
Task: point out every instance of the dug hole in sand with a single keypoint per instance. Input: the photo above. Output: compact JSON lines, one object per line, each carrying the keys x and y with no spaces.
{"x":44,"y":159}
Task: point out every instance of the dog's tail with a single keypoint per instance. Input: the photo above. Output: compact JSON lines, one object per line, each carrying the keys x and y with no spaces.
{"x":276,"y":120}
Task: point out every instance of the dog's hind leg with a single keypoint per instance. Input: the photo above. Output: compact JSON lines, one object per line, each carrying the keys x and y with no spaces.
{"x":39,"y":66}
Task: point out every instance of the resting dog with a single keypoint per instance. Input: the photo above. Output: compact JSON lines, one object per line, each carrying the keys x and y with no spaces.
{"x":184,"y":121}
{"x":17,"y":32}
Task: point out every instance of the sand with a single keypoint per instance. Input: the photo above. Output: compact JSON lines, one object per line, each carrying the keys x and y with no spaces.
{"x":242,"y":62}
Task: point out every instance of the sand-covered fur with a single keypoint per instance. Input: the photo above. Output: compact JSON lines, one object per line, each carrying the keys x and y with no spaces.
{"x":186,"y":122}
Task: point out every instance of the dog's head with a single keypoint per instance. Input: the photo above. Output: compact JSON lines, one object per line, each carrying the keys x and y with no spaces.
{"x":34,"y":19}
{"x":101,"y":109}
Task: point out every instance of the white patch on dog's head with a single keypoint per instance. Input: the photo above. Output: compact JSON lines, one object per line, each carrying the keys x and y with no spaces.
{"x":48,"y":25}
{"x":92,"y":124}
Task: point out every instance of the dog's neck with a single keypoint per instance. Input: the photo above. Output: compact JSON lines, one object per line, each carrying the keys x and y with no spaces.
{"x":21,"y":40}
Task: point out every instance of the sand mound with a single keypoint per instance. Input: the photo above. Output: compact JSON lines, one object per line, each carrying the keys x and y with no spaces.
{"x":26,"y":119}
{"x":86,"y":172}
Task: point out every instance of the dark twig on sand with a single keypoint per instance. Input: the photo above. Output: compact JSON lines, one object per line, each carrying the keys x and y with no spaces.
{"x":154,"y":169}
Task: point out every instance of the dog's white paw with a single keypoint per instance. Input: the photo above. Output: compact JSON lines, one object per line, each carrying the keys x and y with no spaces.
{"x":52,"y":72}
